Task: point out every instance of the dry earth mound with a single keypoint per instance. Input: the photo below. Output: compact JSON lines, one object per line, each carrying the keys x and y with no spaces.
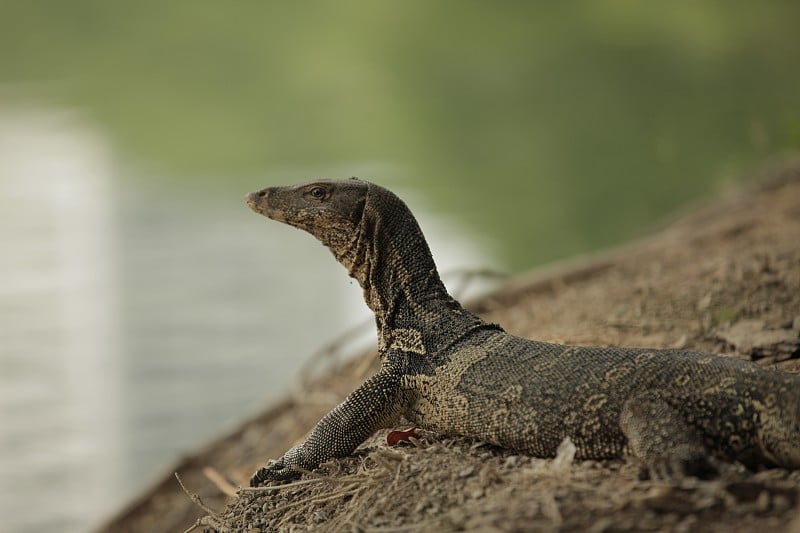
{"x":723,"y":278}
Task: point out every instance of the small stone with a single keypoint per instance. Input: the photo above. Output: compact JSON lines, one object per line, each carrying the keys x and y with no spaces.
{"x":476,"y":494}
{"x":457,"y":517}
{"x":763,"y":502}
{"x":466,"y":472}
{"x":780,"y":504}
{"x":565,"y":454}
{"x":680,"y":343}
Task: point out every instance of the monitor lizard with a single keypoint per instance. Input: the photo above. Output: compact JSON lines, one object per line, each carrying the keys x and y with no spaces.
{"x":446,"y":370}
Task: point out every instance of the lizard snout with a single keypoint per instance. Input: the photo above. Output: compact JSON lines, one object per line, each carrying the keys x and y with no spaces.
{"x":256,"y":200}
{"x":259,"y":202}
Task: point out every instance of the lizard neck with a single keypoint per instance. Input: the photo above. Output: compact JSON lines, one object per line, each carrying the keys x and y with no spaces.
{"x":392,"y":262}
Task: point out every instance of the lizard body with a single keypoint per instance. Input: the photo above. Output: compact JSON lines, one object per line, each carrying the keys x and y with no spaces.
{"x":446,"y":370}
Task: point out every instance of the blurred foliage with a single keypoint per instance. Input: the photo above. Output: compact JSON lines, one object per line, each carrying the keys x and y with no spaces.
{"x":547,"y":128}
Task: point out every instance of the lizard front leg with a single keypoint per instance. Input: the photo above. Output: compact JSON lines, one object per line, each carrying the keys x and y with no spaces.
{"x":377,"y":403}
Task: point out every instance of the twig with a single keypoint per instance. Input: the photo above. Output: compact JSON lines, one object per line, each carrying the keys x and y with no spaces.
{"x":347,"y":479}
{"x":332,"y":349}
{"x":350,"y":489}
{"x":212,"y":519}
{"x":219,"y":480}
{"x":195,"y":497}
{"x":425,"y":524}
{"x":465,"y":276}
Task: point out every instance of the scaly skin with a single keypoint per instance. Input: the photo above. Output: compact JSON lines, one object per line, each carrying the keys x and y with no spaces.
{"x":446,"y":370}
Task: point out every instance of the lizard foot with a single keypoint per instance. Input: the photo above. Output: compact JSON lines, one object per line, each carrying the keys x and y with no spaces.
{"x":274,"y":471}
{"x":676,"y":467}
{"x":283,"y":469}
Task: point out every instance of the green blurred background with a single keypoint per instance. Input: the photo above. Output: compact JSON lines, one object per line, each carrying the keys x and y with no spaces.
{"x":144,"y":309}
{"x":545,"y":128}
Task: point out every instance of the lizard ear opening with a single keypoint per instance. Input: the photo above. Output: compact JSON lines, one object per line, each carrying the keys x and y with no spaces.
{"x":360,"y":207}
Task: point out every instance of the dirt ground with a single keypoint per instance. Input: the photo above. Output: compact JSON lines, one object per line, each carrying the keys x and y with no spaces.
{"x":723,"y":278}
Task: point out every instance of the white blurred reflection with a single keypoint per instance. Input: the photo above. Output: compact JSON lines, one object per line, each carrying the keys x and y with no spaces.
{"x":140,"y":318}
{"x":59,"y":379}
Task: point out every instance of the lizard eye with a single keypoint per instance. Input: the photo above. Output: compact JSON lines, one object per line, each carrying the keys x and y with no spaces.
{"x":317,"y":193}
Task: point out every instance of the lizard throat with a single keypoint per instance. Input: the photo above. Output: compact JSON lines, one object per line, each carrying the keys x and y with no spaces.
{"x":392,"y":263}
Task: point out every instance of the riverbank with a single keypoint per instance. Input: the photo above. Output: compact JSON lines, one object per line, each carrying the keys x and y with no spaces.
{"x":724,"y":278}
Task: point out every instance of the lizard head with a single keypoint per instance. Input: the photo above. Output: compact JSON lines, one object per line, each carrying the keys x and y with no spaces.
{"x":330,"y":210}
{"x":369,"y":230}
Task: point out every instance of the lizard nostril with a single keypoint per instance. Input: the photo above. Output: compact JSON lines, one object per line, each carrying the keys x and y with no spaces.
{"x":262,"y":194}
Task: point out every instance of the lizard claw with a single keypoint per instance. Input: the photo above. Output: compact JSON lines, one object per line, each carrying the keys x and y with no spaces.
{"x":261,"y":475}
{"x":674,"y":469}
{"x":279,"y":469}
{"x":274,"y":471}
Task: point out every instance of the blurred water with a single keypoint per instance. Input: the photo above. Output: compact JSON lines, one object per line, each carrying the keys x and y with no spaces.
{"x":59,"y":324}
{"x":141,"y":313}
{"x":138,"y":321}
